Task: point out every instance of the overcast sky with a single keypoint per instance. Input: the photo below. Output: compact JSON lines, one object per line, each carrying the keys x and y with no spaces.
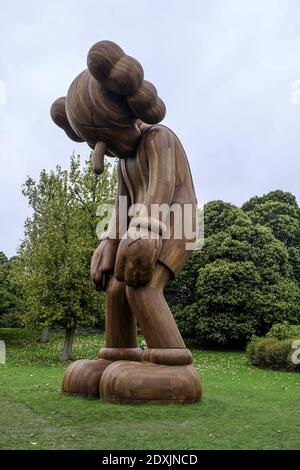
{"x":225,"y":70}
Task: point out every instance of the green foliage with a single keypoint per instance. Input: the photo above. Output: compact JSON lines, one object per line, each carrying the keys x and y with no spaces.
{"x":3,"y":258}
{"x":181,"y":291}
{"x":244,"y":282}
{"x":219,"y":216}
{"x":10,"y":302}
{"x":294,"y":255}
{"x":11,"y":319}
{"x":272,"y":353}
{"x":284,"y":330}
{"x":279,"y":211}
{"x":53,"y":265}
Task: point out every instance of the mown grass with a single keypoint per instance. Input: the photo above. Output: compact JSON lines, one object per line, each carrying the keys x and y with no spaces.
{"x":243,"y":407}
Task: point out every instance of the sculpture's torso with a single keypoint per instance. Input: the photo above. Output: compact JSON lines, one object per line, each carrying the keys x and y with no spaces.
{"x":136,"y":175}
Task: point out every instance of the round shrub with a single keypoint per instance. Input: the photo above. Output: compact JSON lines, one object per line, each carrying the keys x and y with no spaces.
{"x":284,"y":331}
{"x":272,"y":353}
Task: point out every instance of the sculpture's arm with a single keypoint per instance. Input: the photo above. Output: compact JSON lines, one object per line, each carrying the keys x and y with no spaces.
{"x":103,"y":260}
{"x":119,"y":220}
{"x":140,"y":248}
{"x":160,"y":149}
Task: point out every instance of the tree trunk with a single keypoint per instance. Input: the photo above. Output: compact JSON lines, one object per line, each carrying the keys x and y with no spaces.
{"x":65,"y":355}
{"x":44,"y":335}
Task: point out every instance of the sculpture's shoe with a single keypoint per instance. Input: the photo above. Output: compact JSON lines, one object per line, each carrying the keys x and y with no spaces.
{"x":168,"y":356}
{"x":146,"y":382}
{"x":121,"y":354}
{"x":83,"y":377}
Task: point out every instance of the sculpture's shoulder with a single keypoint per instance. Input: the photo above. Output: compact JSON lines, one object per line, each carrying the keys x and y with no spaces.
{"x":161,"y":136}
{"x":159,"y":130}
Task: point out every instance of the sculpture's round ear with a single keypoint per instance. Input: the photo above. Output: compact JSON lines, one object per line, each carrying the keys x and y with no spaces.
{"x":59,"y":116}
{"x":115,"y":70}
{"x":146,"y":104}
{"x":123,"y":75}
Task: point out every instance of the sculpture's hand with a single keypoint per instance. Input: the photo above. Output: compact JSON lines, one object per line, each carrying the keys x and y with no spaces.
{"x":136,"y":257}
{"x":103,"y":261}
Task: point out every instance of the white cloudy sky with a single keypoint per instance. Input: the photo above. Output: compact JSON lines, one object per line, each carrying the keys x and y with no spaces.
{"x":224,"y":68}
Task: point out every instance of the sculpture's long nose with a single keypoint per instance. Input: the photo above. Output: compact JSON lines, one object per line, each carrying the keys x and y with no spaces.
{"x":98,"y":157}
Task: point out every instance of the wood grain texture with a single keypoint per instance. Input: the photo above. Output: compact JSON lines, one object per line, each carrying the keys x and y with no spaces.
{"x":116,"y":111}
{"x":160,"y":174}
{"x":123,"y":75}
{"x":59,"y":116}
{"x":120,"y":321}
{"x":118,"y":354}
{"x":98,"y":157}
{"x":153,"y":313}
{"x":82,"y":377}
{"x":171,"y":357}
{"x":133,"y":382}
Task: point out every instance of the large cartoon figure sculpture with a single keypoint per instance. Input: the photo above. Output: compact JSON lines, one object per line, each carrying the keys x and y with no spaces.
{"x":111,"y":107}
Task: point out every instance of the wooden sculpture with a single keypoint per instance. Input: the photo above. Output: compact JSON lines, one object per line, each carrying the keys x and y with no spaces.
{"x":111,"y":107}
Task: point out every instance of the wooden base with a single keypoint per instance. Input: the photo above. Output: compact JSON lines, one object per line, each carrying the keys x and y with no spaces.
{"x":164,"y":376}
{"x":83,"y":377}
{"x":121,"y":354}
{"x":136,"y":382}
{"x":168,"y":356}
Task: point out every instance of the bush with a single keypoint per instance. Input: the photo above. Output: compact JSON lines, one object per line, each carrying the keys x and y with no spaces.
{"x":272,"y":353}
{"x":238,"y":285}
{"x":222,"y":329}
{"x":11,"y":320}
{"x":234,"y":304}
{"x":284,"y":331}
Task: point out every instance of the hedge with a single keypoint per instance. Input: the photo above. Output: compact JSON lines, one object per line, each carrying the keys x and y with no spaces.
{"x":272,"y":353}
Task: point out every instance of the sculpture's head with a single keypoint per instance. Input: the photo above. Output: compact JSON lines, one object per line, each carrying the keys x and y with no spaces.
{"x":106,"y":103}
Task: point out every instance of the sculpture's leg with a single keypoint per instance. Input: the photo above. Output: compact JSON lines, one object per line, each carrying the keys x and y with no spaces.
{"x":120,"y":325}
{"x":165,"y":374}
{"x":153,"y":313}
{"x":83,"y":377}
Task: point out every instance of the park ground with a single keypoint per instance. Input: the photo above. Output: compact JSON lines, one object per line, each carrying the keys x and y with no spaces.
{"x":243,"y":407}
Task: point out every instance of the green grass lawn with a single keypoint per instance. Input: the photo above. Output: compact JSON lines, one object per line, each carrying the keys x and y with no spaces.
{"x":243,"y":407}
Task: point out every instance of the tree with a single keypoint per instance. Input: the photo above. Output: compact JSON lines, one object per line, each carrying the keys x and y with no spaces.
{"x":279,"y":211}
{"x":181,"y":291}
{"x":218,"y":217}
{"x":10,"y":302}
{"x":53,"y":267}
{"x":244,"y":284}
{"x":282,"y":217}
